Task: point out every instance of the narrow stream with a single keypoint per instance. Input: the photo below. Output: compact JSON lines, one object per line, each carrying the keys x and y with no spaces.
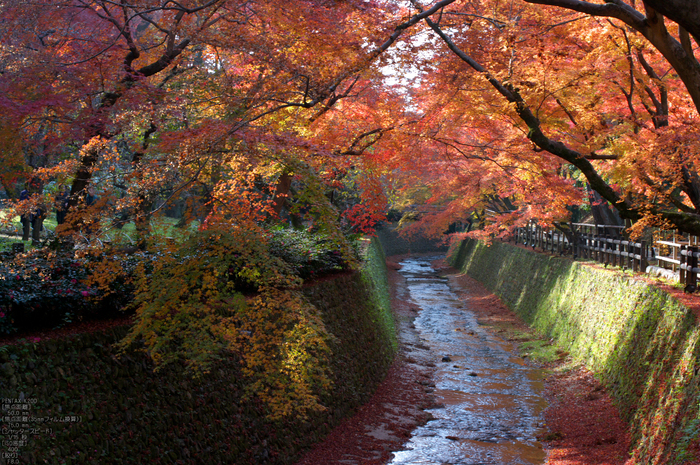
{"x":491,"y":399}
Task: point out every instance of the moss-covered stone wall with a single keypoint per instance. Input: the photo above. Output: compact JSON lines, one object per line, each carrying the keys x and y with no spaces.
{"x":96,"y":408}
{"x":641,"y":343}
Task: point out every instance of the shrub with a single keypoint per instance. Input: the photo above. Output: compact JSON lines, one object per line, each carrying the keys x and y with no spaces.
{"x":195,"y":306}
{"x":48,"y":288}
{"x":309,"y":254}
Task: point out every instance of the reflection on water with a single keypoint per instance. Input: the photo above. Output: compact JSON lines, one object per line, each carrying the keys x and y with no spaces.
{"x":491,"y":399}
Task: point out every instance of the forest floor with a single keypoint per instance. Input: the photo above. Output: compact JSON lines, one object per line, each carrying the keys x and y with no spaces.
{"x":584,"y":427}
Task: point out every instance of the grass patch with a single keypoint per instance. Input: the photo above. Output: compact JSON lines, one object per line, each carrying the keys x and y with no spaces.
{"x":533,"y":346}
{"x":542,"y":351}
{"x":161,"y":227}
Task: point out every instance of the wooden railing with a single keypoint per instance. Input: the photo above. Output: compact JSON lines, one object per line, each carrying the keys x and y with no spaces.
{"x":604,"y":244}
{"x":680,"y":257}
{"x":689,"y":267}
{"x":545,"y":239}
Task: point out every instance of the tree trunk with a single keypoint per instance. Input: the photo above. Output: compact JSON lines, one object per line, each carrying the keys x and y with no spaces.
{"x":284,"y":184}
{"x":37,"y":225}
{"x":26,"y":226}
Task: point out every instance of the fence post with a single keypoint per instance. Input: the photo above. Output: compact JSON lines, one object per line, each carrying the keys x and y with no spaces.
{"x":632,"y":262}
{"x":602,"y":245}
{"x":632,"y":250}
{"x":683,"y":258}
{"x":589,"y":244}
{"x":692,"y":260}
{"x":604,"y":255}
{"x":643,"y":253}
{"x":675,"y":253}
{"x":580,"y":241}
{"x":604,"y":258}
{"x":543,"y":239}
{"x":560,"y":243}
{"x":527,"y":234}
{"x":550,"y":237}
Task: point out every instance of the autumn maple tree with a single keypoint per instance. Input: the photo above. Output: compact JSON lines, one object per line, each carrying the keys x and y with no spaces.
{"x":246,"y":116}
{"x":142,"y":99}
{"x":529,"y":108}
{"x":227,"y":109}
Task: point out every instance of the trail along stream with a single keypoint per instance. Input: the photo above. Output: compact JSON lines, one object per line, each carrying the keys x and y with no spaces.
{"x":491,"y":400}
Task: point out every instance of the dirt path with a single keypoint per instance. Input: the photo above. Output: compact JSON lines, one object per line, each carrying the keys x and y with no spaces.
{"x":584,"y":427}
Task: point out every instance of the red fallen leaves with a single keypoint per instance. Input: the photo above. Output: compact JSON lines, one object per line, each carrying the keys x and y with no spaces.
{"x":352,"y":441}
{"x":586,"y":427}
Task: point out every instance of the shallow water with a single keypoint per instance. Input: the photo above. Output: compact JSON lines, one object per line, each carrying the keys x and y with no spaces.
{"x":491,"y":400}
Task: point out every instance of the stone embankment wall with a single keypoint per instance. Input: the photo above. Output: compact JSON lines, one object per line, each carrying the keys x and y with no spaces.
{"x":96,"y":408}
{"x":639,"y":341}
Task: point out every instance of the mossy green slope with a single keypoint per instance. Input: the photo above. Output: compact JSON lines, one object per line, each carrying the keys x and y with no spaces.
{"x":642,"y":343}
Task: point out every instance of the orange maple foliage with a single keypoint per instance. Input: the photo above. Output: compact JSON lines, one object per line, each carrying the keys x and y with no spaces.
{"x":242,"y":114}
{"x":524,"y":108}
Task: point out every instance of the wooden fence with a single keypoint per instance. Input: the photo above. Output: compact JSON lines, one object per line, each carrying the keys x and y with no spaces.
{"x":668,"y":254}
{"x":604,"y":244}
{"x":679,"y":255}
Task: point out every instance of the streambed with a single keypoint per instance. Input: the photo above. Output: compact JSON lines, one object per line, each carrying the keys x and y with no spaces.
{"x":491,"y":401}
